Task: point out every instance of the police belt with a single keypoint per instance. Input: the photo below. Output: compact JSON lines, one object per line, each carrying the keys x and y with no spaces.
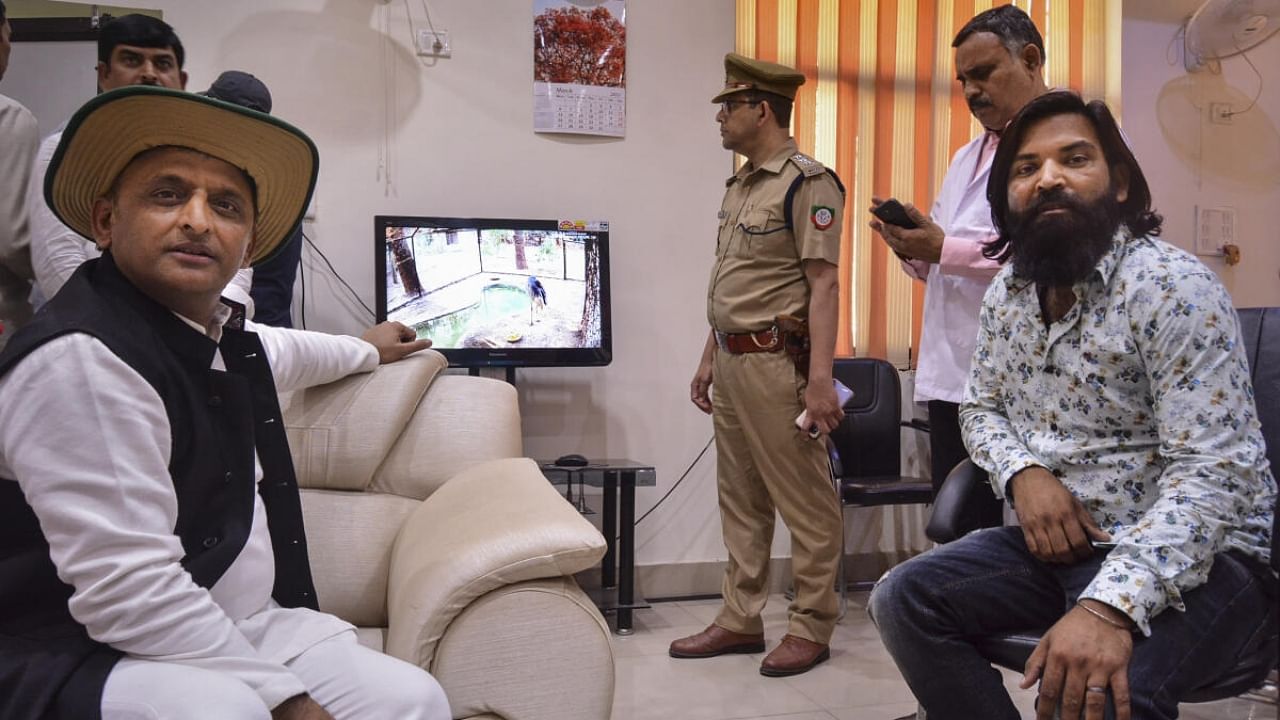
{"x":768,"y":340}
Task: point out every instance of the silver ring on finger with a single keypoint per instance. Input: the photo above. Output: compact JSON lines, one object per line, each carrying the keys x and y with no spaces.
{"x":1096,"y":689}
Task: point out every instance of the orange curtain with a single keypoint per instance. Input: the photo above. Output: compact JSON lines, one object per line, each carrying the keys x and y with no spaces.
{"x":881,"y":106}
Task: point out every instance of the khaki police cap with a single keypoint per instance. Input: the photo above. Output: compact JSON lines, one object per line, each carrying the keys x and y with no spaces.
{"x":743,"y":74}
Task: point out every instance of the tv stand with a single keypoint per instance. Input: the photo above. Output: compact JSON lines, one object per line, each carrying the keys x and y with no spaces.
{"x":510,"y":373}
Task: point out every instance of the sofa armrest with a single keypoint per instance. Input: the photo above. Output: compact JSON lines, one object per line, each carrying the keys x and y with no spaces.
{"x":536,"y":650}
{"x":340,"y":433}
{"x":965,"y":502}
{"x":494,"y":524}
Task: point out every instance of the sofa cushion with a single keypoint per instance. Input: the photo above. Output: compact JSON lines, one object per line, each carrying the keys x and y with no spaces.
{"x":349,"y":539}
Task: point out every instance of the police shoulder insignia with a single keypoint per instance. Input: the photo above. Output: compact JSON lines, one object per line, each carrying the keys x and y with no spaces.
{"x":822,"y":216}
{"x":808,"y":166}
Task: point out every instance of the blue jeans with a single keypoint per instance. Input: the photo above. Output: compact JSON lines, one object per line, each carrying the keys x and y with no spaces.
{"x":930,"y":608}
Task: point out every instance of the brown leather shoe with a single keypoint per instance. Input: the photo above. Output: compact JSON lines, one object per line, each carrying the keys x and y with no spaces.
{"x":714,"y":641}
{"x":794,"y":655}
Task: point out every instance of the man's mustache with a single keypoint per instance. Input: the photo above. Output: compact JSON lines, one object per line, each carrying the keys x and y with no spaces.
{"x":1055,"y":199}
{"x":979,"y":103}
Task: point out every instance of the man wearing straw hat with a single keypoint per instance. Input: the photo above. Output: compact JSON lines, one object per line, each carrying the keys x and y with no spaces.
{"x":152,"y":556}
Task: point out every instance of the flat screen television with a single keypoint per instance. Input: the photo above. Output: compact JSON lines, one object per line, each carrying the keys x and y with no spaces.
{"x":493,"y":292}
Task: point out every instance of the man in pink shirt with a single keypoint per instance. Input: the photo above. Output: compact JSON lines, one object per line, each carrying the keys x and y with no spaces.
{"x":1000,"y":65}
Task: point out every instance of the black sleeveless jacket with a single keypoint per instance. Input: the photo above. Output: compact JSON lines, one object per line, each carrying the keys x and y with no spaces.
{"x":49,"y":666}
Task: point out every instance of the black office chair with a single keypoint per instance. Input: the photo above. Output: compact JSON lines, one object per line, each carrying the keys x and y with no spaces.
{"x":866,"y":448}
{"x":966,"y":491}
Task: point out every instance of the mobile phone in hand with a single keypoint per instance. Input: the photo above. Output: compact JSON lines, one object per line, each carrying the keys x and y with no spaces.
{"x":843,"y":396}
{"x":892,"y":212}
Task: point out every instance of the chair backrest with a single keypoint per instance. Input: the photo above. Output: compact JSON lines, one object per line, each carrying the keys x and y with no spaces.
{"x":1261,"y":330}
{"x":869,"y":438}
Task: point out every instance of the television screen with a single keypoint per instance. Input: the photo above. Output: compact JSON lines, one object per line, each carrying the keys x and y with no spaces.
{"x":491,"y":292}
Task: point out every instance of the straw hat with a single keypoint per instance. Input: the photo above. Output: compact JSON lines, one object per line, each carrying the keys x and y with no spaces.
{"x":114,"y":127}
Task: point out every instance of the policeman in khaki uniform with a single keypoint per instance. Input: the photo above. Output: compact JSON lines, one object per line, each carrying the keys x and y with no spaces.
{"x":776,"y":258}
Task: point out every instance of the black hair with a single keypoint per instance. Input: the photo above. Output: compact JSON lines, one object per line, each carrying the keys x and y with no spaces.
{"x":139,"y":31}
{"x":1007,"y":22}
{"x":1135,"y":211}
{"x":4,"y":14}
{"x":780,"y":104}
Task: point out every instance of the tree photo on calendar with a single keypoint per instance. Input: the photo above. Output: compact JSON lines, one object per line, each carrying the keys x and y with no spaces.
{"x":580,"y":43}
{"x":579,"y":66}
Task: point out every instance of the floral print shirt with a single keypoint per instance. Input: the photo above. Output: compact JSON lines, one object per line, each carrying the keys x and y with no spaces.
{"x":1139,"y":401}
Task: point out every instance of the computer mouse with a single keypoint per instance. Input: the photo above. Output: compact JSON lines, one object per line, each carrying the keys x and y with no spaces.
{"x":572,"y":460}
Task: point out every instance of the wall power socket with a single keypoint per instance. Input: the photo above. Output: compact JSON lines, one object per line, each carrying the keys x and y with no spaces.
{"x":434,"y":43}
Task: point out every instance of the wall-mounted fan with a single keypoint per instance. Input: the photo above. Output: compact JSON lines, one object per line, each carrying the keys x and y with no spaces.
{"x":1225,"y":27}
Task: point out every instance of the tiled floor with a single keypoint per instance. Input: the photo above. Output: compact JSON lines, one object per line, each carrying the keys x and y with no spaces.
{"x":859,"y":682}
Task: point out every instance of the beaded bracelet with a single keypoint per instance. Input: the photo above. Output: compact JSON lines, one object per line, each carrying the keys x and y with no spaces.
{"x":1103,"y":617}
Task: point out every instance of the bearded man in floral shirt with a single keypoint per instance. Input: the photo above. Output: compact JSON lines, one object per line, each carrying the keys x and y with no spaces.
{"x":1109,"y":399}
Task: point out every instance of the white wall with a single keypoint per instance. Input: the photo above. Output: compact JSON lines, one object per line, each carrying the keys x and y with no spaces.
{"x":35,"y":67}
{"x":1188,"y":161}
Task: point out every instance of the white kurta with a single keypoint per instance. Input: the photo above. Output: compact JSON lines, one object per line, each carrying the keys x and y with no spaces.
{"x":954,"y":286}
{"x":56,"y":250}
{"x":88,"y":440}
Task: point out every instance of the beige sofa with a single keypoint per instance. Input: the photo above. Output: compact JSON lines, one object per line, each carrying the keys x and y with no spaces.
{"x":430,"y":533}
